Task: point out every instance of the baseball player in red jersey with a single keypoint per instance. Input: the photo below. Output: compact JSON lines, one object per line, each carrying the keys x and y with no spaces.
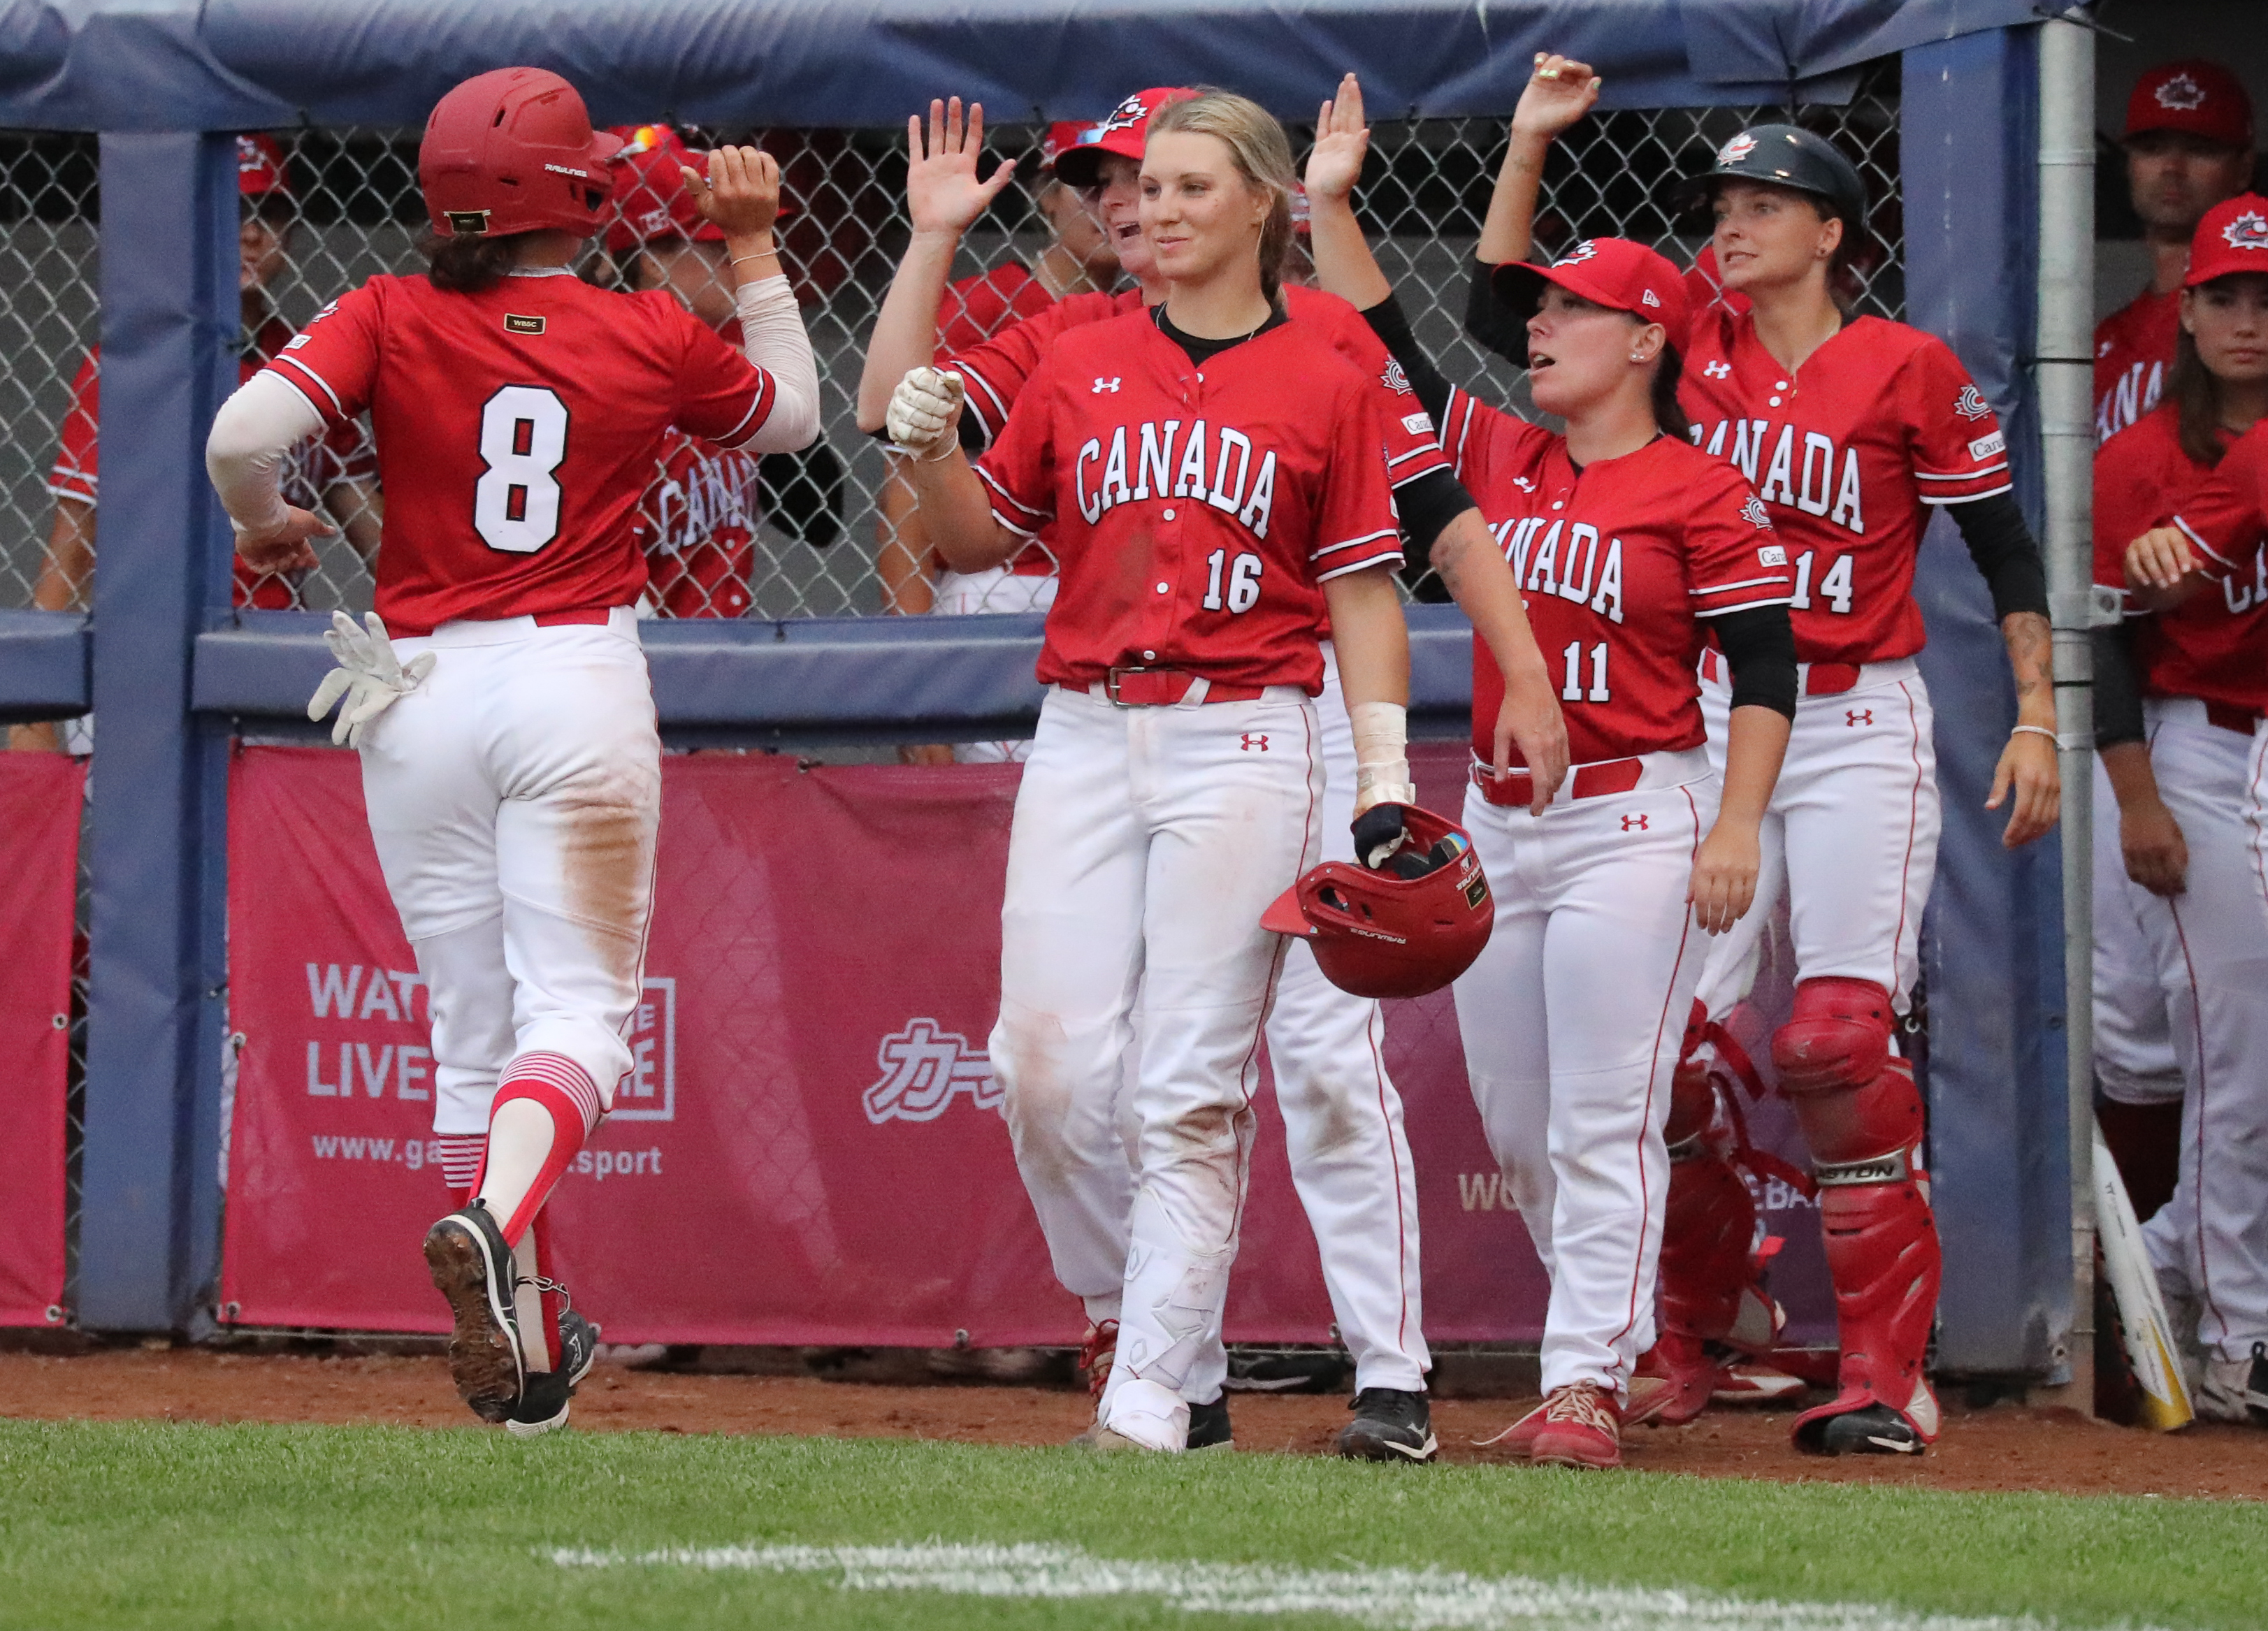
{"x":1174,"y":786}
{"x":336,"y":474}
{"x":2189,"y":146}
{"x":1343,"y":1119}
{"x":1852,"y":430}
{"x":1627,"y":543}
{"x":511,"y":763}
{"x":2176,"y":714}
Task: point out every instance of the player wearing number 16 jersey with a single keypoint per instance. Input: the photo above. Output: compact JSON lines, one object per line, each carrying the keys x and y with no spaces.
{"x":510,"y":764}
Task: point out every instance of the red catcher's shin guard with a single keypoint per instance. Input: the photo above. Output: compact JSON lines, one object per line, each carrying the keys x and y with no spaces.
{"x":1882,"y":1248}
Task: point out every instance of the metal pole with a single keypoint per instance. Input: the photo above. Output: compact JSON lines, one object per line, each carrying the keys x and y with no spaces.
{"x":2064,"y":379}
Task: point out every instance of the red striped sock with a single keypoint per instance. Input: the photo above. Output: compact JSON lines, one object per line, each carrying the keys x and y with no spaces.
{"x":545,"y":1108}
{"x":462,"y":1156}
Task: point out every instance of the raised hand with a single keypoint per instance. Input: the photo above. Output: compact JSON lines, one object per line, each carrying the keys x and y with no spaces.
{"x":1559,"y":92}
{"x":1341,"y":139}
{"x":740,"y":195}
{"x":943,"y":190}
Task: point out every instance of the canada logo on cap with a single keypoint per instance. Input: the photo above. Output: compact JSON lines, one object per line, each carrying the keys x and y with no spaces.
{"x":2248,"y":230}
{"x":2181,"y":93}
{"x":1128,"y":114}
{"x":1580,"y":253}
{"x":1739,"y":148}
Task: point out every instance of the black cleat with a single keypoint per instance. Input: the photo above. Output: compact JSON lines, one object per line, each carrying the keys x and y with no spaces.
{"x":1209,"y":1426}
{"x":1388,"y":1425}
{"x":2256,"y":1386}
{"x":1872,"y":1430}
{"x":472,"y":1267}
{"x":543,"y":1399}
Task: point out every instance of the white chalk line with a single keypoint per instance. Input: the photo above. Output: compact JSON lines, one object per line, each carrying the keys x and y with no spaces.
{"x":1394,"y":1599}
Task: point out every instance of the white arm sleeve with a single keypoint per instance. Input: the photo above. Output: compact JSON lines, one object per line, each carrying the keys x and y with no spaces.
{"x":252,"y":436}
{"x":772,"y":335}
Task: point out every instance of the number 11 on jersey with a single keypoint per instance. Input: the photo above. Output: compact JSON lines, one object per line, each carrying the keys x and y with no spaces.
{"x":1572,"y":691}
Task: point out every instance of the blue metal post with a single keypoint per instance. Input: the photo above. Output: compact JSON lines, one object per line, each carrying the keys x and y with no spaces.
{"x":170,"y":322}
{"x":1967,"y":142}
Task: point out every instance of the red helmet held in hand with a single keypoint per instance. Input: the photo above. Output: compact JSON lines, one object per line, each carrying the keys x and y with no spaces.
{"x":512,"y":150}
{"x":1404,"y":929}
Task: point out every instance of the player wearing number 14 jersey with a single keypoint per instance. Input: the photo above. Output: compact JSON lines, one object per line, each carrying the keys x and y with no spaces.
{"x":510,"y":764}
{"x":1853,"y":431}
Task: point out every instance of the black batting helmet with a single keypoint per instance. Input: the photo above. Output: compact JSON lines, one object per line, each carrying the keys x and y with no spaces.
{"x":1786,"y":156}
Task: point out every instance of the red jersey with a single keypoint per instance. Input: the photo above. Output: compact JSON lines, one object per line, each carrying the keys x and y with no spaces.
{"x":1620,"y":563}
{"x":517,"y":430}
{"x":2212,"y":644}
{"x":1195,"y":513}
{"x":696,"y":527}
{"x":997,"y":370}
{"x":1847,"y":453}
{"x":2226,"y":518}
{"x":2133,"y":348}
{"x":310,"y":471}
{"x":976,"y":308}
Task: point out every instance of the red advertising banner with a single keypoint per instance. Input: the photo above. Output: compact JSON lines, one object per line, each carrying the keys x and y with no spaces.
{"x":41,"y":795}
{"x":810,"y":1150}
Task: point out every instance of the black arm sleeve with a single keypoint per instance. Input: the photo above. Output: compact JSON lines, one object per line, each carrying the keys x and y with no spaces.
{"x":1760,"y":644}
{"x":2117,"y":688}
{"x":2001,"y":545}
{"x":1490,"y":322}
{"x":1391,"y":324}
{"x":1426,"y":505}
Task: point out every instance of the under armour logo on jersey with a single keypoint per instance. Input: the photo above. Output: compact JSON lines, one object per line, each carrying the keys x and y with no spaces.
{"x":1970,"y":404}
{"x":1857,"y":715}
{"x":1253,"y":741}
{"x":1634,"y":824}
{"x":1716,"y":371}
{"x":2248,"y":230}
{"x":1523,"y":484}
{"x":2181,"y":93}
{"x":1100,"y":385}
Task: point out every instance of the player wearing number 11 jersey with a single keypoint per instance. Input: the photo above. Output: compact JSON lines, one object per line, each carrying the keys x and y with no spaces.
{"x":510,"y":764}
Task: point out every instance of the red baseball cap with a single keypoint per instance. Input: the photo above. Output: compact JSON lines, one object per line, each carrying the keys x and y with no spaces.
{"x":2194,"y":96}
{"x":260,"y":167}
{"x":651,"y":200}
{"x":1079,"y":158}
{"x":1611,"y":272}
{"x":2232,"y":238}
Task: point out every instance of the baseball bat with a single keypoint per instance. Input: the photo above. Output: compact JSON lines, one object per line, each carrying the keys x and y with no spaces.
{"x":2144,"y":1332}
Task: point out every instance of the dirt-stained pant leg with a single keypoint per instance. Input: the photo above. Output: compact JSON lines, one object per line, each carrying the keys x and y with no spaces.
{"x":1069,"y":964}
{"x":1227,"y":793}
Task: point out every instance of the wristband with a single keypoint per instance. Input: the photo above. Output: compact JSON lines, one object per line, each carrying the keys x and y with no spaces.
{"x":2037,"y":731}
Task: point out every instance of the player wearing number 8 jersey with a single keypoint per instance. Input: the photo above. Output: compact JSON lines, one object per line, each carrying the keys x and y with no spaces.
{"x":510,"y":764}
{"x":1627,"y":543}
{"x":1852,"y":430}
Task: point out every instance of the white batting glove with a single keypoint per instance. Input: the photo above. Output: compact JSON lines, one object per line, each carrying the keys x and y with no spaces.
{"x":369,"y":676}
{"x":925,"y":412}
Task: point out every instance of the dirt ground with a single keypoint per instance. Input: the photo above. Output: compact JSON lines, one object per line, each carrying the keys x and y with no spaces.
{"x":2005,"y":1447}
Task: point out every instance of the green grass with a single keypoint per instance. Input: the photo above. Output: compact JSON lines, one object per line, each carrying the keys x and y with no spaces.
{"x":186,"y":1527}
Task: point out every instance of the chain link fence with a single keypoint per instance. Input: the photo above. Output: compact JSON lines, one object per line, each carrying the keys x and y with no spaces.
{"x":801,"y":536}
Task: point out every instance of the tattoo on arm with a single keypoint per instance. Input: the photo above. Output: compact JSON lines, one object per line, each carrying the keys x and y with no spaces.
{"x":2031,"y":647}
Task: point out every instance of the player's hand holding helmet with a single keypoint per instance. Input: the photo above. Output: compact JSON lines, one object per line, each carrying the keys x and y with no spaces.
{"x":1408,"y":920}
{"x":737,"y":190}
{"x":924,"y":415}
{"x":369,"y":676}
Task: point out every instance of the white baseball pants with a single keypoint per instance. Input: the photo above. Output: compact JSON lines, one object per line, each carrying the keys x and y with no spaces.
{"x":1147,"y":841}
{"x":2210,"y":1242}
{"x":996,"y":589}
{"x":1572,"y":1018}
{"x":2134,"y":1061}
{"x":514,"y":799}
{"x":1851,"y":835}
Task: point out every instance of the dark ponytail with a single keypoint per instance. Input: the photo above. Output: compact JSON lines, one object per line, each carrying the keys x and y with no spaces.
{"x":1668,"y":413}
{"x":2196,"y":396}
{"x":468,"y":265}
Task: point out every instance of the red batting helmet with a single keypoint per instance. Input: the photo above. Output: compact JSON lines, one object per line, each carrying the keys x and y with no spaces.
{"x":511,"y":150}
{"x":1403,"y":931}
